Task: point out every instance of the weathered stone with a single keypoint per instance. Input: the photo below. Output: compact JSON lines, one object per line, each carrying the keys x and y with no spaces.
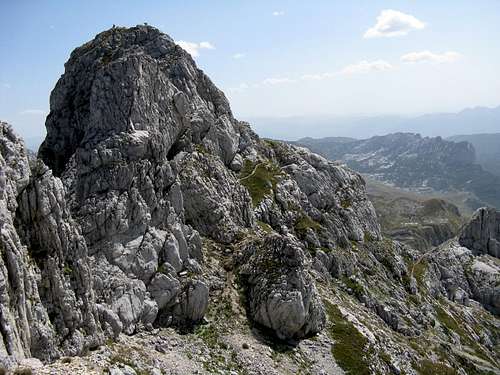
{"x":164,"y":288}
{"x":482,"y":233}
{"x":281,"y":294}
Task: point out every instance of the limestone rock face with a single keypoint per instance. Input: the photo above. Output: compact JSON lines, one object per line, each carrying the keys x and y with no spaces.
{"x":129,"y":106}
{"x":48,"y":304}
{"x":462,"y":276}
{"x":482,"y":233}
{"x":466,"y":268}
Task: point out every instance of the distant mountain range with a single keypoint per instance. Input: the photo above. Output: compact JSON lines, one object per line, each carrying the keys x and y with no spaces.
{"x":410,"y":161}
{"x":477,"y":120}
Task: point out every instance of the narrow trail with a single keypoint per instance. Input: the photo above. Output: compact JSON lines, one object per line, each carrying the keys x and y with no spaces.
{"x":253,"y":172}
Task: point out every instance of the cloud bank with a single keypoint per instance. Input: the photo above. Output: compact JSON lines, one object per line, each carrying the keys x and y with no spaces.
{"x":367,"y":67}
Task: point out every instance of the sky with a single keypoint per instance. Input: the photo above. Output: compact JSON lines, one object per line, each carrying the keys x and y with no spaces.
{"x":275,"y":58}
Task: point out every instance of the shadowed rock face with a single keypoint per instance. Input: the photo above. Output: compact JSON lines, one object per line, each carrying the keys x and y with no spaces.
{"x":482,"y":233}
{"x":47,"y":301}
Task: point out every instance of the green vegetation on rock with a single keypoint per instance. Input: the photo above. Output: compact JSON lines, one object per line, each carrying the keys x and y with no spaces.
{"x":419,"y":270}
{"x":349,"y":344}
{"x":260,"y":179}
{"x":265,"y":227}
{"x":305,"y":223}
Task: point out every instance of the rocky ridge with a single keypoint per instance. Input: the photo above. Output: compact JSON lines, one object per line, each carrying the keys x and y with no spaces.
{"x":154,"y":219}
{"x":410,"y":161}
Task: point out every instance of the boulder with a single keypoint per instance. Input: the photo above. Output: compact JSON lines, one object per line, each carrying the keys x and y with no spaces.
{"x":281,"y":293}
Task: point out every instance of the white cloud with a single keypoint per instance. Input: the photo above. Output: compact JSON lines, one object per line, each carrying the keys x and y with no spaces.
{"x":238,"y":56}
{"x":34,"y":112}
{"x":366,"y":67}
{"x":313,"y":77}
{"x":393,"y":23}
{"x":358,"y":68}
{"x":276,"y":81}
{"x":193,"y":48}
{"x":6,"y":85}
{"x":428,"y":56}
{"x":278,"y":13}
{"x":207,"y":45}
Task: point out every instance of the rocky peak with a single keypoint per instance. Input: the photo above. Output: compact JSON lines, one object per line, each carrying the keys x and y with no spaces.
{"x":152,"y":167}
{"x":129,"y":80}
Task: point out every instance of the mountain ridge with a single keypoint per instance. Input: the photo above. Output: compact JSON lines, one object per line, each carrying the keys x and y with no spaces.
{"x":445,"y":124}
{"x":409,"y":160}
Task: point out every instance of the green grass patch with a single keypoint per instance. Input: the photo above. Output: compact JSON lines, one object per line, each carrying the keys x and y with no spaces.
{"x":368,"y":237}
{"x":201,"y":148}
{"x":304,"y":223}
{"x":208,"y":334}
{"x":260,"y":179}
{"x":357,"y":288}
{"x":67,"y":270}
{"x":350,"y":344}
{"x":447,"y":320}
{"x":346,"y":203}
{"x":272,"y":143}
{"x":450,"y":324}
{"x":419,"y":271}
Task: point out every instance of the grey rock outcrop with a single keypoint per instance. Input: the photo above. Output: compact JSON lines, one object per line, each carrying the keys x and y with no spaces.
{"x":151,"y":157}
{"x":48,"y":304}
{"x":482,"y":233}
{"x":282,"y":295}
{"x":467,"y":267}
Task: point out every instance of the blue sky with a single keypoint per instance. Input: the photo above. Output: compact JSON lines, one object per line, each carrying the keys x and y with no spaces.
{"x":275,"y":58}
